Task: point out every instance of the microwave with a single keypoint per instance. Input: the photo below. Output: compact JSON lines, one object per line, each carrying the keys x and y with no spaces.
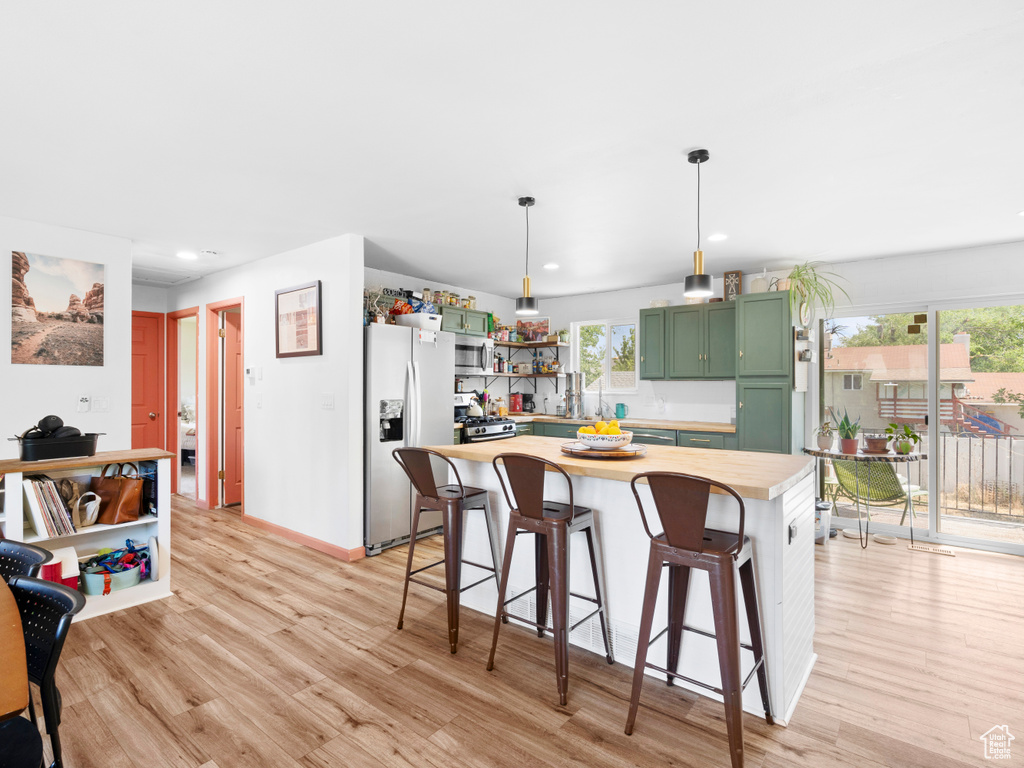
{"x":473,"y":356}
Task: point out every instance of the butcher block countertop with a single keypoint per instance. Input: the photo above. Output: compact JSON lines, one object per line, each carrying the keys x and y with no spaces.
{"x":752,"y":475}
{"x":686,"y":426}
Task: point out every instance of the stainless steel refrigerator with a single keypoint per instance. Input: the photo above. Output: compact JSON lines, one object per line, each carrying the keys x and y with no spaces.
{"x":410,"y":377}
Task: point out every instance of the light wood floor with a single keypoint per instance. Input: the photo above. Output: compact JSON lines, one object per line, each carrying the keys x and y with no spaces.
{"x":270,"y":654}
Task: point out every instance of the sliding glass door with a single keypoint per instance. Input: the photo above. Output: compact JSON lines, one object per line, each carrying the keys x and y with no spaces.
{"x":980,"y":448}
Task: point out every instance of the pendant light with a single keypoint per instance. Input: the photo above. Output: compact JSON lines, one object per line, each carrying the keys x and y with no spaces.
{"x":698,"y":285}
{"x":526,"y":304}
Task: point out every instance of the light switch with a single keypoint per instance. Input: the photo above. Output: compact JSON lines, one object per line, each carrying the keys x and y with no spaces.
{"x":84,"y":403}
{"x":101,"y":405}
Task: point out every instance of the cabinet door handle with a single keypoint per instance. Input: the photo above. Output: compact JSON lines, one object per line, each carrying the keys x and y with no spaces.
{"x":653,"y":437}
{"x":741,"y":404}
{"x":699,"y":440}
{"x":741,"y":353}
{"x":641,"y":358}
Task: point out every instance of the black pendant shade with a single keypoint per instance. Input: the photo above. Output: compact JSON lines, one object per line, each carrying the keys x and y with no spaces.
{"x":698,"y":285}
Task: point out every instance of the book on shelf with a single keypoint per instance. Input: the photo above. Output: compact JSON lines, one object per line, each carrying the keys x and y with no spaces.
{"x":49,"y":514}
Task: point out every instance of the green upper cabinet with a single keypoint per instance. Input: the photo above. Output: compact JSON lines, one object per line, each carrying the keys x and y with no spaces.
{"x":469,"y":322}
{"x":720,"y":340}
{"x":652,"y":343}
{"x":764,"y":335}
{"x":685,"y":335}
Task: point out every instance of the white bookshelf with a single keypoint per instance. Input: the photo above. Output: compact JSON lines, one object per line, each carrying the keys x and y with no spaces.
{"x":87,"y":541}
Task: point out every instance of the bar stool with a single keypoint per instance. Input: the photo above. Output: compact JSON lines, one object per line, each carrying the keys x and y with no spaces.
{"x":681,"y":502}
{"x":452,"y":501}
{"x":552,"y":523}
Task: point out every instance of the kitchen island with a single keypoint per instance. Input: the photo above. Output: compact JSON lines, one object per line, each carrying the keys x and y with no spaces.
{"x":779,"y":498}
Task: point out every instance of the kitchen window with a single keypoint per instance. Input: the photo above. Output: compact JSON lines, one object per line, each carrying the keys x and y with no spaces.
{"x":605,"y":351}
{"x":852,"y":381}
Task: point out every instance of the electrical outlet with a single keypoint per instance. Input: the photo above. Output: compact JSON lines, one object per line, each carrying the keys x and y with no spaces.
{"x":84,"y":403}
{"x":327,"y":401}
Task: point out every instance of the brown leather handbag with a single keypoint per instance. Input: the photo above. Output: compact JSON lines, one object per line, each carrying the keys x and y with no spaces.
{"x":120,"y":494}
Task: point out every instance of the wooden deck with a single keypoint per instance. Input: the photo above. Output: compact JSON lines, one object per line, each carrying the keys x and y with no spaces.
{"x":271,"y":654}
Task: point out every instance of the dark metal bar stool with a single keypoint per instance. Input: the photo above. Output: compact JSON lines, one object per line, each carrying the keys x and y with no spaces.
{"x":681,"y":502}
{"x":552,"y":523}
{"x":452,"y":501}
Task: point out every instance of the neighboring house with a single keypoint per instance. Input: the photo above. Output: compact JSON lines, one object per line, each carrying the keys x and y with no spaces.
{"x":981,"y":396}
{"x":879,"y":385}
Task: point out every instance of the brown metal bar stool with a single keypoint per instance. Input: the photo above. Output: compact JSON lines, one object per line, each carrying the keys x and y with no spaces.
{"x":681,"y":502}
{"x":452,"y":501}
{"x":552,"y":523}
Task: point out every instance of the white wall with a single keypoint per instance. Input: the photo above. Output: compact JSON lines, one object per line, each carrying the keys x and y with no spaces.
{"x":148,"y":298}
{"x":303,"y":464}
{"x":30,"y":392}
{"x":676,"y":400}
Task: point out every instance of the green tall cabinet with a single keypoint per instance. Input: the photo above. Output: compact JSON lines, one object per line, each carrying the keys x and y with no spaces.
{"x":769,"y":414}
{"x":652,"y":343}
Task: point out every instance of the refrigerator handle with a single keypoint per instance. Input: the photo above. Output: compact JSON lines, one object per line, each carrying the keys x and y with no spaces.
{"x":419,"y":403}
{"x":410,"y":395}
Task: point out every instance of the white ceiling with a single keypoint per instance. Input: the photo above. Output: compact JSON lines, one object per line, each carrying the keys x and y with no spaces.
{"x":837,"y":131}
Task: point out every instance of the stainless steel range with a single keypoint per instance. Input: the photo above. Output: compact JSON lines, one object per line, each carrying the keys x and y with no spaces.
{"x":477,"y":429}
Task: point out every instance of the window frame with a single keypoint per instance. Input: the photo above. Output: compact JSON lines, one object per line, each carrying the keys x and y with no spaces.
{"x":859,"y":377}
{"x":608,"y":324}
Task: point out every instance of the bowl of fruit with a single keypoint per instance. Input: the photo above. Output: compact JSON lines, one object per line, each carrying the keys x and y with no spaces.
{"x":604,"y":436}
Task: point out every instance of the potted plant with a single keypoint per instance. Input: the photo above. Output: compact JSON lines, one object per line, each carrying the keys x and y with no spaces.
{"x":876,"y":444}
{"x":848,"y":433}
{"x":809,"y":284}
{"x":904,"y":438}
{"x":826,"y":433}
{"x":563,"y":336}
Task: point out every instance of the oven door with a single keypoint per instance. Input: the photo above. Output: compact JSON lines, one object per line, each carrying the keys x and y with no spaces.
{"x":473,"y":357}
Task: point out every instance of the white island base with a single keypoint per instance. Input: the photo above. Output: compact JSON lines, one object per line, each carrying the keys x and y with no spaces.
{"x":780,"y":528}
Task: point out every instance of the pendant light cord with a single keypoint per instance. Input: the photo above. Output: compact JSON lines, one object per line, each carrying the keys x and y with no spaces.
{"x":527,"y":241}
{"x":698,"y":205}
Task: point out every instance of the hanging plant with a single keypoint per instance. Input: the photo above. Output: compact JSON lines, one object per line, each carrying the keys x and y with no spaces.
{"x":809,"y":283}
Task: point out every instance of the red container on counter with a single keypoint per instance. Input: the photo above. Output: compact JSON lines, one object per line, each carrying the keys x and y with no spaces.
{"x":516,"y":403}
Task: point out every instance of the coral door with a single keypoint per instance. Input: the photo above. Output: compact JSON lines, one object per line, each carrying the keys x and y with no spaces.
{"x":147,"y":379}
{"x":234,"y":378}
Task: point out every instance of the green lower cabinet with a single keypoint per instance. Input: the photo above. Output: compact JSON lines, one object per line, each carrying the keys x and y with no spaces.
{"x":653,"y":436}
{"x":556,"y":430}
{"x":700,"y":439}
{"x":524,"y":429}
{"x":763,"y":415}
{"x":457,"y":438}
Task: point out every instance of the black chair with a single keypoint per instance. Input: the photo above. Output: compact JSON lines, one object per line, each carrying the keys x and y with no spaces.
{"x":19,"y":559}
{"x":47,"y":609}
{"x":21,"y":746}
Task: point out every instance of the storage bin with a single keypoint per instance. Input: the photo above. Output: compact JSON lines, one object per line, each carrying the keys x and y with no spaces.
{"x":423,"y":320}
{"x":93,"y":583}
{"x":46,"y":448}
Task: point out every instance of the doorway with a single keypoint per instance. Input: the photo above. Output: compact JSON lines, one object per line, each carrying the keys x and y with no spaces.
{"x":225,"y":444}
{"x":147,"y":379}
{"x":183,"y":422}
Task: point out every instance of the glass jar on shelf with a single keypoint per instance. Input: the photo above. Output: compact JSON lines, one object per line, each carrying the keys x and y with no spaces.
{"x":472,"y":302}
{"x":453,"y":300}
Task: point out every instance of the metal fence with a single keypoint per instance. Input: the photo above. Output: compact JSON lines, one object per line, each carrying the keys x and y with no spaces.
{"x":982,"y":474}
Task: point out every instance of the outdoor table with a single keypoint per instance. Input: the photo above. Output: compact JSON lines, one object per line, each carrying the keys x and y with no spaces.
{"x":890,"y":457}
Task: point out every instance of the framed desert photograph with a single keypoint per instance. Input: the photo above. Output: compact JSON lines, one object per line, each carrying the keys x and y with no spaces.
{"x":56,"y":310}
{"x":298,"y":321}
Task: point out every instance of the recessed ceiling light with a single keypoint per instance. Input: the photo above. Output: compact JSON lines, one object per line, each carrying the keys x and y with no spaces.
{"x":1020,"y":213}
{"x":551,"y":266}
{"x":716,"y":237}
{"x":187,"y":255}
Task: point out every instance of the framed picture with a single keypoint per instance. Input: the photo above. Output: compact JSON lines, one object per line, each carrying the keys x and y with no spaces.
{"x":536,"y":329}
{"x":298,"y":321}
{"x":733,"y":284}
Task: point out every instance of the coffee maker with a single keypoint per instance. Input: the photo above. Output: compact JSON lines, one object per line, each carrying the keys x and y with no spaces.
{"x":528,"y":405}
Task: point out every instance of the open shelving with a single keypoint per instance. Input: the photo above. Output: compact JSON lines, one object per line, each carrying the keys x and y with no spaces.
{"x":515,"y":346}
{"x":89,"y":540}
